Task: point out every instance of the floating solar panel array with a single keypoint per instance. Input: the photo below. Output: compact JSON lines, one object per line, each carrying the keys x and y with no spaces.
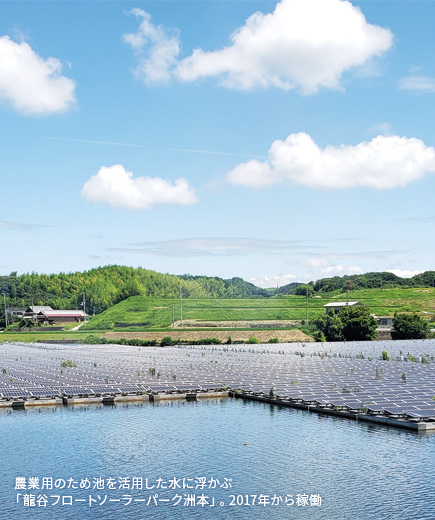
{"x":350,"y":376}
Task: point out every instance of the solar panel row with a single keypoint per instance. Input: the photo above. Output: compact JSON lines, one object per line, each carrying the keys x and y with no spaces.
{"x":350,"y":375}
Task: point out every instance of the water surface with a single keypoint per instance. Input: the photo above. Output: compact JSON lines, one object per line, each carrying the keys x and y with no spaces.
{"x":360,"y":471}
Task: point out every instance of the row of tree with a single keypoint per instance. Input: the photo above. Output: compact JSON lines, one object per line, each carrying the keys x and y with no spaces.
{"x":355,"y":323}
{"x":383,"y":280}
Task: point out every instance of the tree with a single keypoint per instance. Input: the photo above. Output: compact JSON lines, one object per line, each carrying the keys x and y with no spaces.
{"x":358,"y":323}
{"x":352,"y":323}
{"x":331,"y":326}
{"x":301,"y":290}
{"x":409,"y":326}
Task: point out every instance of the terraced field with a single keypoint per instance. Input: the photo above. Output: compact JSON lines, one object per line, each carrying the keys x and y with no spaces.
{"x":143,"y":313}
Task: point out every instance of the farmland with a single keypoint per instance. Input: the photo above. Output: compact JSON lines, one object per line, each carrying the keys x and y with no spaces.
{"x":143,"y":313}
{"x":265,"y":318}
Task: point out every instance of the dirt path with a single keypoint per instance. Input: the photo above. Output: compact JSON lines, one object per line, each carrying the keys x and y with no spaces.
{"x":77,"y":328}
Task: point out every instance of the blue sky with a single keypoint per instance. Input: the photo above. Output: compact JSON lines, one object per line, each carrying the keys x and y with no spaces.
{"x":278,"y":142}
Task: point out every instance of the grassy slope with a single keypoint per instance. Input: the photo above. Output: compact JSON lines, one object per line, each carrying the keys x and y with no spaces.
{"x":150,"y":313}
{"x":156,"y":313}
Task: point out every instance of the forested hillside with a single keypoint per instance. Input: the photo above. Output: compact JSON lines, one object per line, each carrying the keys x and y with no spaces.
{"x":383,"y":280}
{"x":105,"y":286}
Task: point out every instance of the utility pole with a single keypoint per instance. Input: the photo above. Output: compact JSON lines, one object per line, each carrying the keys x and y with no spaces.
{"x":6,"y":312}
{"x":307,"y":306}
{"x":173,"y":315}
{"x":181,"y":306}
{"x":347,"y":292}
{"x":34,"y":318}
{"x":84,"y":306}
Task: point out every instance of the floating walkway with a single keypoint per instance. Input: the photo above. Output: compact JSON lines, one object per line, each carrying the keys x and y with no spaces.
{"x":418,"y":425}
{"x":109,"y":399}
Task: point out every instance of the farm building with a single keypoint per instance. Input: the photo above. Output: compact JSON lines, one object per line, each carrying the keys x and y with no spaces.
{"x":60,"y":316}
{"x":36,"y":309}
{"x":46,"y":314}
{"x":335,"y":307}
{"x":16,"y":311}
{"x":384,"y":321}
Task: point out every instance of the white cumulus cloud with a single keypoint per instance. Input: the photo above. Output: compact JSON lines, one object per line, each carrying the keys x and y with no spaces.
{"x":384,"y":162}
{"x":279,"y":280}
{"x":303,"y":44}
{"x":118,"y":187}
{"x":31,"y":84}
{"x":342,"y":270}
{"x":404,"y":273}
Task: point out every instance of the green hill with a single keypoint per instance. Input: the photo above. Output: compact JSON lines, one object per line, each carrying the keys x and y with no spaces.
{"x":106,"y":286}
{"x":143,"y":313}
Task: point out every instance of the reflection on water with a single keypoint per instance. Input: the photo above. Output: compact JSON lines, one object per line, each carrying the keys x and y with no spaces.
{"x":360,"y":471}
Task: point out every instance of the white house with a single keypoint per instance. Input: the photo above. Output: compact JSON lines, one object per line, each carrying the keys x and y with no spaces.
{"x":337,"y":306}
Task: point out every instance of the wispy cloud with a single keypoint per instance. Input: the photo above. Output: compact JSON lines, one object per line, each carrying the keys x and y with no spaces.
{"x":379,"y":255}
{"x":157,"y":148}
{"x":20,"y":226}
{"x":384,"y":128}
{"x":418,"y":84}
{"x":219,"y":246}
{"x":428,"y":219}
{"x":315,"y":262}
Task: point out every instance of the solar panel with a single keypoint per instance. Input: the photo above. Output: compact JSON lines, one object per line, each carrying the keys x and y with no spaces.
{"x":337,"y":375}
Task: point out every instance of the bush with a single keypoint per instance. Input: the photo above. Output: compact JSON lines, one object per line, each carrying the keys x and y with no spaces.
{"x":68,"y":363}
{"x":253,"y":340}
{"x":93,"y":340}
{"x":319,"y":336}
{"x":203,"y":341}
{"x":273,"y":340}
{"x":167,"y":341}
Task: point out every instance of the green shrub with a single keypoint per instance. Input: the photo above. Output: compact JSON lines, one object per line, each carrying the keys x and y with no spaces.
{"x":68,"y":363}
{"x":319,"y":336}
{"x":92,"y":340}
{"x":167,"y":341}
{"x":252,"y":339}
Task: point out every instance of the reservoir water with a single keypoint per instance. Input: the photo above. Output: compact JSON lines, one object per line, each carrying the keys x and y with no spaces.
{"x":232,"y":459}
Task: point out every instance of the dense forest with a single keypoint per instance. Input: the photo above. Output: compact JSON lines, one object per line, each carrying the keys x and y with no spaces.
{"x":105,"y":286}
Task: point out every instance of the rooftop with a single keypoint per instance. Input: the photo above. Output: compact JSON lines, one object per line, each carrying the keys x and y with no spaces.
{"x":341,"y":304}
